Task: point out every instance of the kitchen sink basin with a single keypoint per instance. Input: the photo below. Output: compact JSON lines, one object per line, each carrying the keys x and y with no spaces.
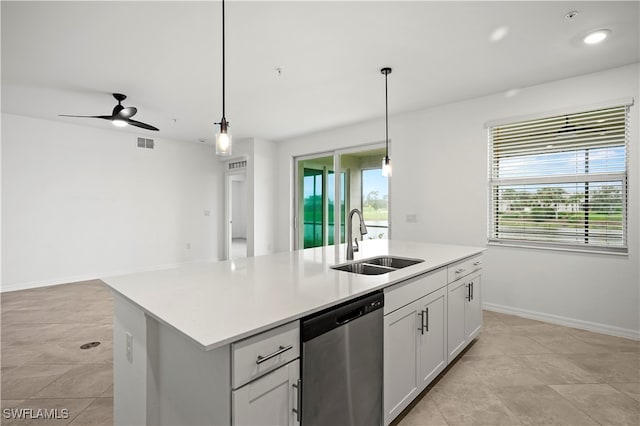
{"x":393,"y":262}
{"x":377,"y":265}
{"x":363,"y":268}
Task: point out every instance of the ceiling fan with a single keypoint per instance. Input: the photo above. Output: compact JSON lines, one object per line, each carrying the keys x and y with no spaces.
{"x":121,"y":116}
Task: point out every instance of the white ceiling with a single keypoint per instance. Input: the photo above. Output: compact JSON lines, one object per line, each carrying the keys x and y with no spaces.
{"x":68,"y":57}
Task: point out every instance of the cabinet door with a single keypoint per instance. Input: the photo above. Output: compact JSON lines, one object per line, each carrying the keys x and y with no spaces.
{"x":474,"y":310}
{"x":456,"y":322}
{"x":433,"y":336}
{"x":269,"y":400}
{"x":401,"y":384}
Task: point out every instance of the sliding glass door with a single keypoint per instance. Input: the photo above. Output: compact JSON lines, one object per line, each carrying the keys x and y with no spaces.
{"x":314,"y":215}
{"x":319,"y":218}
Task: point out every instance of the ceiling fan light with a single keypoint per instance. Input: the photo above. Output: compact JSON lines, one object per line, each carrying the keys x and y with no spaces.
{"x":119,"y":123}
{"x":596,"y":37}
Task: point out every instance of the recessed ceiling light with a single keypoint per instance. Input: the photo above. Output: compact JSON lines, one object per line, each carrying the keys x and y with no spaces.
{"x":498,"y":34}
{"x":511,"y":93}
{"x":596,"y":37}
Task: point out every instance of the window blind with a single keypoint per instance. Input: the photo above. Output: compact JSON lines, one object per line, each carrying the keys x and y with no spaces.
{"x":560,"y":181}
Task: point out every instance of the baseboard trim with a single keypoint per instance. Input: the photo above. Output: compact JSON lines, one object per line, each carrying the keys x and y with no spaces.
{"x":5,"y":288}
{"x":560,"y":320}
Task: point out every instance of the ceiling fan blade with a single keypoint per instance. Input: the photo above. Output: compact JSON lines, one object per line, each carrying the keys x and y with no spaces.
{"x":142,"y":125}
{"x":104,"y":117}
{"x":128,"y":112}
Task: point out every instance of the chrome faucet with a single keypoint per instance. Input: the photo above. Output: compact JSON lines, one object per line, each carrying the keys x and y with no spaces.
{"x":363,"y":230}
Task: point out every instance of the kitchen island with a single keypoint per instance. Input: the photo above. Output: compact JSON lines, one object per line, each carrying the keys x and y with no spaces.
{"x":177,"y":332}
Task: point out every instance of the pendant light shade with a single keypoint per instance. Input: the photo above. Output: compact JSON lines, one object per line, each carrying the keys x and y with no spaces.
{"x":223,"y":137}
{"x":386,"y":161}
{"x":386,"y":166}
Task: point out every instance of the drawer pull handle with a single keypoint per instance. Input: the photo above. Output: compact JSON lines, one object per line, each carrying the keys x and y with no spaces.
{"x":477,"y":263}
{"x":459,"y":271}
{"x":280,"y":350}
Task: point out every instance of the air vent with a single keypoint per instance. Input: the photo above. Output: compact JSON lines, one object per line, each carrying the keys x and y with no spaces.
{"x":238,"y":165}
{"x":145,"y":143}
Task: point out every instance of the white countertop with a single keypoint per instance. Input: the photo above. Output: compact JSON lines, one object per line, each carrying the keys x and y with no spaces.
{"x":216,"y":303}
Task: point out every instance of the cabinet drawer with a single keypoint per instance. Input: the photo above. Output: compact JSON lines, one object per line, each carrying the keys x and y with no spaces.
{"x":406,"y":292}
{"x":259,"y":354}
{"x":463,"y":268}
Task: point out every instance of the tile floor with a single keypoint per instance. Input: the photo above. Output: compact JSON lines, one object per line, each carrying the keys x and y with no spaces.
{"x":519,"y":372}
{"x":43,"y":366}
{"x":524,"y":372}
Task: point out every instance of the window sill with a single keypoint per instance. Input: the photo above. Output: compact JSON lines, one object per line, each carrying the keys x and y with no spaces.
{"x":617,"y":252}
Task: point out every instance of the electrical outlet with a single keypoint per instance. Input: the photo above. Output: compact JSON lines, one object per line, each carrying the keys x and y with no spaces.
{"x":188,"y":246}
{"x":412,"y":218}
{"x":207,"y":213}
{"x":129,"y":347}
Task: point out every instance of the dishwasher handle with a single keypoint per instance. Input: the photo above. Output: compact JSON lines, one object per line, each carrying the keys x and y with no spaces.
{"x":338,"y":316}
{"x":349,"y":316}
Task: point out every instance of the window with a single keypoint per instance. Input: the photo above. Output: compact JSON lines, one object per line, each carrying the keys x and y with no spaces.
{"x":375,"y":202}
{"x":560,"y":181}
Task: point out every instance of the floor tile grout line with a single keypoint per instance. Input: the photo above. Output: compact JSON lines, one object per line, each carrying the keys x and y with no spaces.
{"x":82,"y":411}
{"x":574,"y":405}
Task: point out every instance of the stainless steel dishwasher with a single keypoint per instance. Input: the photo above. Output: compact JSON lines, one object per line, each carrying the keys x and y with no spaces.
{"x":342,"y":364}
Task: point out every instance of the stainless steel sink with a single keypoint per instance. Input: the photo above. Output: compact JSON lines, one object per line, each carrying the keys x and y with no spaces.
{"x":377,"y":265}
{"x":394,"y":262}
{"x":363,"y":268}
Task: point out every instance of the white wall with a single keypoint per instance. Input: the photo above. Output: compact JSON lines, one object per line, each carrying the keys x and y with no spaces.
{"x":265,"y":194}
{"x":440,"y":174}
{"x":262,"y":193}
{"x":81,"y":202}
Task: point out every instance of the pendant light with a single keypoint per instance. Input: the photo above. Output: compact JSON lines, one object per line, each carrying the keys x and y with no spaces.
{"x":223,"y":138}
{"x":386,"y":161}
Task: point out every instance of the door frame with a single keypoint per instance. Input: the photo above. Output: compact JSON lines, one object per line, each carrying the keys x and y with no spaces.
{"x":337,"y":153}
{"x":298,"y":238}
{"x":231,"y":176}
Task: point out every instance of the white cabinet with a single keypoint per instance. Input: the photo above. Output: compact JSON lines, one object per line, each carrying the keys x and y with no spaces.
{"x":265,"y":378}
{"x":270,"y":400}
{"x":473,"y":314}
{"x":433,"y":336}
{"x":401,"y":378}
{"x":464,"y":313}
{"x":414,"y":341}
{"x":456,"y":306}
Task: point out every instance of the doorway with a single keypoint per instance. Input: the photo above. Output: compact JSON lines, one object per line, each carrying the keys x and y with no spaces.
{"x":236,"y":215}
{"x":319,"y":220}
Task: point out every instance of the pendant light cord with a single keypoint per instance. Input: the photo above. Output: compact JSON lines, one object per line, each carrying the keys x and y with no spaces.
{"x":386,"y":115}
{"x":223,"y":65}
